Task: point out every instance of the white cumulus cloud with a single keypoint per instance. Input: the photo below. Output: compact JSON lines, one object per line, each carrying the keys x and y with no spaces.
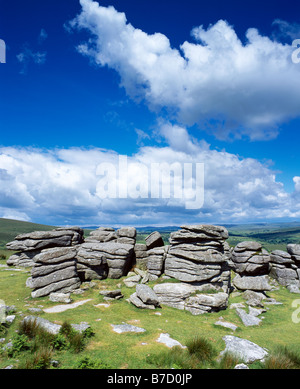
{"x":229,"y":87}
{"x":61,"y":186}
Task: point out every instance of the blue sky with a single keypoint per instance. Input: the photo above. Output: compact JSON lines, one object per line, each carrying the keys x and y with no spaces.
{"x":158,"y":81}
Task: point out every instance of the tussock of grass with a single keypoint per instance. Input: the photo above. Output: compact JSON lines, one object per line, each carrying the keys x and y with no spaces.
{"x":283,"y":358}
{"x":201,"y":348}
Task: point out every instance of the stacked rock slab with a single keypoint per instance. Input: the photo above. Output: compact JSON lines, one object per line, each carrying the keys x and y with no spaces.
{"x":141,"y":255}
{"x":106,"y":253}
{"x":101,"y":235}
{"x":285,"y":266}
{"x":182,"y":296}
{"x":251,"y":263}
{"x":197,"y":255}
{"x":156,"y":260}
{"x":54,"y":270}
{"x":156,"y":254}
{"x":30,"y":244}
{"x":250,"y":259}
{"x":101,"y":260}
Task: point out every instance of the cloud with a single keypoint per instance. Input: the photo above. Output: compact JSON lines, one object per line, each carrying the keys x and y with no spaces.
{"x":61,"y":186}
{"x":227,"y":87}
{"x":43,"y":36}
{"x":284,"y":29}
{"x":28,"y":55}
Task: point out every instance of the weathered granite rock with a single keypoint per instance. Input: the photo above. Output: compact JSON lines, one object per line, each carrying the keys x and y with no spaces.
{"x":54,"y":328}
{"x":173,"y":294}
{"x":168,"y":341}
{"x":60,"y":297}
{"x":256,"y":283}
{"x":112,"y":258}
{"x":102,"y":235}
{"x":249,"y":258}
{"x":156,"y":260}
{"x":126,"y":235}
{"x":121,"y":328}
{"x":112,"y":294}
{"x":141,"y":255}
{"x":154,"y":240}
{"x":280,"y":257}
{"x":248,"y":351}
{"x":91,"y":264}
{"x":254,"y":299}
{"x":38,"y":240}
{"x":294,"y":251}
{"x":226,"y":324}
{"x":203,"y":303}
{"x":22,"y":259}
{"x":147,"y":295}
{"x":135,"y":300}
{"x":180,"y":296}
{"x":197,"y":255}
{"x":54,"y":270}
{"x":247,"y":318}
{"x":47,"y":325}
{"x":284,"y":266}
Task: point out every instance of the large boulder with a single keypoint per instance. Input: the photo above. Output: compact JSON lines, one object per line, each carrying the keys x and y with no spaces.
{"x":203,"y":303}
{"x":38,"y":240}
{"x":284,"y":267}
{"x":154,"y":240}
{"x":182,"y":296}
{"x":294,"y":251}
{"x":126,"y":235}
{"x":144,"y":297}
{"x":249,"y":258}
{"x":248,"y":351}
{"x":173,"y":294}
{"x":102,"y":235}
{"x":91,"y":264}
{"x":114,"y":257}
{"x":256,"y":283}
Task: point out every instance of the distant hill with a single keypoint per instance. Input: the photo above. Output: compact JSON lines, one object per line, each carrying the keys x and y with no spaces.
{"x":11,"y":228}
{"x":271,"y":235}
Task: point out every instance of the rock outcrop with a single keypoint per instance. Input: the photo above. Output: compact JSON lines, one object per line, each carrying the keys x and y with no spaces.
{"x":156,"y":260}
{"x":182,"y":296}
{"x":285,"y":266}
{"x":54,"y":270}
{"x":197,"y":255}
{"x":30,"y":244}
{"x":250,"y":259}
{"x":38,"y":240}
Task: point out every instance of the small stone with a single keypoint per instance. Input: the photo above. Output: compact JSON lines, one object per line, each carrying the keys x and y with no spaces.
{"x":168,"y":341}
{"x":121,"y":328}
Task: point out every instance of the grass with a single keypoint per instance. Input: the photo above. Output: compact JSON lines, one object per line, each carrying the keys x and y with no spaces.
{"x":141,"y":351}
{"x":107,"y":349}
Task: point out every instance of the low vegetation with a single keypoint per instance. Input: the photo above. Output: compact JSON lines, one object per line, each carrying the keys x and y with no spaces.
{"x":101,"y":348}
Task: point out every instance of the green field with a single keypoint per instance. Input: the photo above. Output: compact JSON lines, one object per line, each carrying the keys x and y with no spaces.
{"x":141,"y":351}
{"x":106,"y":349}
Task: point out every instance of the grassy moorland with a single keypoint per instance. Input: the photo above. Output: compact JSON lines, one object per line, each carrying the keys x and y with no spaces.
{"x":277,"y":332}
{"x":107,"y":349}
